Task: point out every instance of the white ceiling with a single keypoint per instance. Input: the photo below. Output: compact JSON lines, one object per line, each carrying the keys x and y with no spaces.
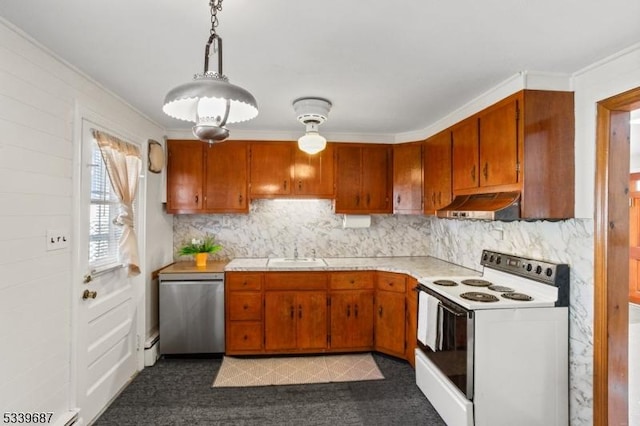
{"x":387,"y":67}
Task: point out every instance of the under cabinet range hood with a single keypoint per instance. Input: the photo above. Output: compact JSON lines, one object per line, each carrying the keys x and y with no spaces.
{"x":494,"y":206}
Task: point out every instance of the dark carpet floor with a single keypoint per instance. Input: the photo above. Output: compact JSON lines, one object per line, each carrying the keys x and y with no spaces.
{"x":179,"y":392}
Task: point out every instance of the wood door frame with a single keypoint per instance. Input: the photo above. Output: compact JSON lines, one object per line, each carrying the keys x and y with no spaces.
{"x":611,"y":264}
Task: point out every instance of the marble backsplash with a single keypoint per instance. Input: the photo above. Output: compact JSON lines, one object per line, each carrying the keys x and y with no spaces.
{"x":274,"y":227}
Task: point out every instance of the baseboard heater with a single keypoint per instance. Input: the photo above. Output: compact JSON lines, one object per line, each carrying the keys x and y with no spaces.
{"x":151,"y":349}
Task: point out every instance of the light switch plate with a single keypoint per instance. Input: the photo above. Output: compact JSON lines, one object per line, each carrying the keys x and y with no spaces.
{"x":57,"y":239}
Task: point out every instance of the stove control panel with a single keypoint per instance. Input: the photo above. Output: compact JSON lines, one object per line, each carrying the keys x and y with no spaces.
{"x":539,"y":270}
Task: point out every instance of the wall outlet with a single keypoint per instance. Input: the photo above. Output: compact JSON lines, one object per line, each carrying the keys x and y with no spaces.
{"x":57,"y":239}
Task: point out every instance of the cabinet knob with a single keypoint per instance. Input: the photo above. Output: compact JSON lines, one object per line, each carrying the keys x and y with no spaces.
{"x":398,"y":199}
{"x":284,"y":185}
{"x":485,"y":171}
{"x":380,"y":311}
{"x":240,"y":198}
{"x":357,"y":200}
{"x":348,"y":311}
{"x":197,"y":198}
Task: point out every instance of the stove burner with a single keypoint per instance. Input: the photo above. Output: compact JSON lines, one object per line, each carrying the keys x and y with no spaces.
{"x":477,"y":296}
{"x":446,"y":283}
{"x":517,"y":296}
{"x":501,"y":289}
{"x":476,"y":282}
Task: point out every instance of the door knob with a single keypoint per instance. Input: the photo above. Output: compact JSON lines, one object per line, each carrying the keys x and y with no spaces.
{"x":87,"y":294}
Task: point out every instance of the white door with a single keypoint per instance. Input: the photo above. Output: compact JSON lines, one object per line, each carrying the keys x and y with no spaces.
{"x":105,"y":296}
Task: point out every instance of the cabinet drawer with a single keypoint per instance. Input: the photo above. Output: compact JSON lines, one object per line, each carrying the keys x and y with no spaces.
{"x":243,"y":281}
{"x":245,"y":306}
{"x":244,"y":336}
{"x":389,"y":281}
{"x":351,"y":280}
{"x":295,"y":281}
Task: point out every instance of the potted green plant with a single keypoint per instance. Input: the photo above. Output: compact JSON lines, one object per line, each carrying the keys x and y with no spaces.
{"x":200,"y":249}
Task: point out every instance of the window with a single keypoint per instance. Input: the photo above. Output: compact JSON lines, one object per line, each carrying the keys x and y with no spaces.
{"x":104,"y":235}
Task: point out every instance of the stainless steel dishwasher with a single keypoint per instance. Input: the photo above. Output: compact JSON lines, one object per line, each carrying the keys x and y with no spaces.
{"x":191,"y":313}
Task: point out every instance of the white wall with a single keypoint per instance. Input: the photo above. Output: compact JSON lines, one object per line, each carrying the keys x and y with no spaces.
{"x":37,"y":97}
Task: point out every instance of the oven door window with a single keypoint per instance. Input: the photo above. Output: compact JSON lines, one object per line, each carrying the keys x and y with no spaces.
{"x":454,"y":348}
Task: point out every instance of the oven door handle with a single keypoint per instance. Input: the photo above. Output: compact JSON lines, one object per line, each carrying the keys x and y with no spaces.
{"x":458,"y":314}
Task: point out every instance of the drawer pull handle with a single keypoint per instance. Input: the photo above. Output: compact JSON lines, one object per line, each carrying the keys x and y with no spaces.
{"x":245,"y":307}
{"x":348,"y":311}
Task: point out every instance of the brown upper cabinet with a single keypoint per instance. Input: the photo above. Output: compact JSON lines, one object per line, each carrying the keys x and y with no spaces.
{"x":185,"y":176}
{"x":280,"y":169}
{"x":207,"y":178}
{"x":407,"y":178}
{"x":437,"y":172}
{"x":523,"y":143}
{"x":364,"y":178}
{"x":226,"y":171}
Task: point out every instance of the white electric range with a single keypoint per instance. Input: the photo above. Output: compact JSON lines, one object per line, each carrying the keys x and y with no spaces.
{"x":493,"y":350}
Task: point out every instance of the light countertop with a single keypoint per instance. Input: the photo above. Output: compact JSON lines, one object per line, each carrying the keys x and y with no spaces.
{"x":416,"y":266}
{"x":190,"y":266}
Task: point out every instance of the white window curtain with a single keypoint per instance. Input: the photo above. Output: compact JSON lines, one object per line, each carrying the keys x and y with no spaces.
{"x":124,"y":164}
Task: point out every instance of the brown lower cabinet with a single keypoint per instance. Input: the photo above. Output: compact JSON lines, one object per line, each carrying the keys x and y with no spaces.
{"x":351,"y":318}
{"x":314,"y":312}
{"x":390,"y":313}
{"x":295,"y":320}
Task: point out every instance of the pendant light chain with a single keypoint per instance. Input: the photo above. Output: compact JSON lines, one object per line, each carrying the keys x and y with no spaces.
{"x":216,"y":6}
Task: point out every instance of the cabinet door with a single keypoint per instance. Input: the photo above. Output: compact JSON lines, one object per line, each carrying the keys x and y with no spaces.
{"x":314,"y":174}
{"x":465,"y":154}
{"x":352,"y":320}
{"x":377,"y":179}
{"x":311,"y":317}
{"x":270,"y":165}
{"x":280,"y":320}
{"x":348,"y":179}
{"x":499,"y":145}
{"x":390,"y":322}
{"x":184,"y":176}
{"x":407,"y":179}
{"x":226,"y":168}
{"x":437,"y":172}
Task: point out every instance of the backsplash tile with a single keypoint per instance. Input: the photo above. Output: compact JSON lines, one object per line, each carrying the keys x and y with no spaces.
{"x":274,"y":227}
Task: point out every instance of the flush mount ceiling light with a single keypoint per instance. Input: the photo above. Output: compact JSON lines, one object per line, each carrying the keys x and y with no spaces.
{"x":210,"y":100}
{"x":312,"y":112}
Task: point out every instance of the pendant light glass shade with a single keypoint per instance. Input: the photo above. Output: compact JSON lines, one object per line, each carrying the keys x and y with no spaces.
{"x":312,"y":143}
{"x":210,"y":100}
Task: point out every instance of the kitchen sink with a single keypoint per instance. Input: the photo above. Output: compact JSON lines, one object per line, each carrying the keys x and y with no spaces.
{"x":300,"y":262}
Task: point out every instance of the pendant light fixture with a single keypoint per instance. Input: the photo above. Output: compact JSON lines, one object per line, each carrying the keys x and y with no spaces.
{"x":210,"y":101}
{"x":312,"y":112}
